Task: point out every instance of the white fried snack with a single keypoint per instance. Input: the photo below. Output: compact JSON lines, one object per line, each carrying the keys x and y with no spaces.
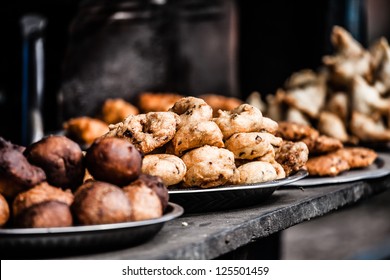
{"x":171,"y":169}
{"x":208,"y":166}
{"x":196,"y":135}
{"x":192,"y":110}
{"x":331,"y":125}
{"x":252,"y":145}
{"x":244,"y":118}
{"x":146,"y":131}
{"x":256,"y":172}
{"x":368,"y":129}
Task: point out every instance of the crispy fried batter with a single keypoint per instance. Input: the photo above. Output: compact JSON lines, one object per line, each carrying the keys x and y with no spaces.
{"x":252,"y":145}
{"x":244,"y":118}
{"x":171,"y":169}
{"x":256,"y":172}
{"x":322,"y":144}
{"x":292,"y":156}
{"x":196,"y":135}
{"x":331,"y":125}
{"x":192,"y":110}
{"x":327,"y":165}
{"x":357,"y":157}
{"x":295,"y":132}
{"x":146,"y":131}
{"x":208,"y":166}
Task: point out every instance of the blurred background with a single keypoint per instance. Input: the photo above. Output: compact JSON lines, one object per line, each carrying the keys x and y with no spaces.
{"x":97,"y":49}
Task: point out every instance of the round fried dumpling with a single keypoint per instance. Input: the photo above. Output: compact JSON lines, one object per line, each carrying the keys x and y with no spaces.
{"x":113,"y":160}
{"x":145,"y":202}
{"x":252,"y":145}
{"x":60,"y":158}
{"x":170,"y":168}
{"x":40,"y":193}
{"x":100,"y":203}
{"x":45,"y":215}
{"x":256,"y":172}
{"x":195,"y":135}
{"x":244,"y":118}
{"x":208,"y":166}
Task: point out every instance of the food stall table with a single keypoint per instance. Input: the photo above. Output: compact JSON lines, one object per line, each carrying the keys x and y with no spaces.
{"x":218,"y":234}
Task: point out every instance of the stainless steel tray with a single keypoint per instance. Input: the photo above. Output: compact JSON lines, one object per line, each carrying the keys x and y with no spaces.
{"x":220,"y":198}
{"x":380,"y":168}
{"x":55,"y":242}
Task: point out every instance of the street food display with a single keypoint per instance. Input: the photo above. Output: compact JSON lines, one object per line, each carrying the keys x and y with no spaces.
{"x":348,"y":98}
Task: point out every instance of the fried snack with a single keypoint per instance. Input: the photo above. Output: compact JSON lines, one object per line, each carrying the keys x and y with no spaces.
{"x":293,"y":115}
{"x":10,"y":188}
{"x":60,"y":158}
{"x":195,"y":135}
{"x":301,"y":79}
{"x":220,"y":102}
{"x":171,"y":169}
{"x":157,"y":102}
{"x":366,"y":99}
{"x":295,"y":132}
{"x":252,"y":145}
{"x":14,"y":167}
{"x":84,"y":130}
{"x":309,"y":98}
{"x":146,"y":132}
{"x":381,"y":64}
{"x":116,"y":110}
{"x":292,"y":156}
{"x":45,"y":215}
{"x":192,"y":110}
{"x":327,"y":165}
{"x":144,"y":201}
{"x":98,"y":203}
{"x":280,"y":173}
{"x":338,"y":104}
{"x":244,"y":118}
{"x":368,"y":129}
{"x":357,"y":157}
{"x":113,"y":160}
{"x":256,"y":172}
{"x":350,"y":60}
{"x":4,"y":211}
{"x":322,"y":144}
{"x":208,"y":166}
{"x":38,"y":194}
{"x":156,"y":184}
{"x":331,"y":125}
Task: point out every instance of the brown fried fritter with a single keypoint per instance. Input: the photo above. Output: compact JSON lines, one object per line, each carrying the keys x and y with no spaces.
{"x":327,"y":165}
{"x":292,"y":156}
{"x":357,"y":157}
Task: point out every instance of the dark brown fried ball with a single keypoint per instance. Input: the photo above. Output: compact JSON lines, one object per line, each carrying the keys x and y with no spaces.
{"x":156,"y":184}
{"x":4,"y":211}
{"x":100,"y":203}
{"x":15,"y":167}
{"x":44,"y":215}
{"x":144,"y":201}
{"x":38,"y":194}
{"x":61,"y":158}
{"x":10,"y":188}
{"x":114,"y":160}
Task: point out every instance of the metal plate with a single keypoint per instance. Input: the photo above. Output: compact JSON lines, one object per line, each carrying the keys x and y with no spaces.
{"x":228,"y":197}
{"x":380,"y":168}
{"x":65,"y":241}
